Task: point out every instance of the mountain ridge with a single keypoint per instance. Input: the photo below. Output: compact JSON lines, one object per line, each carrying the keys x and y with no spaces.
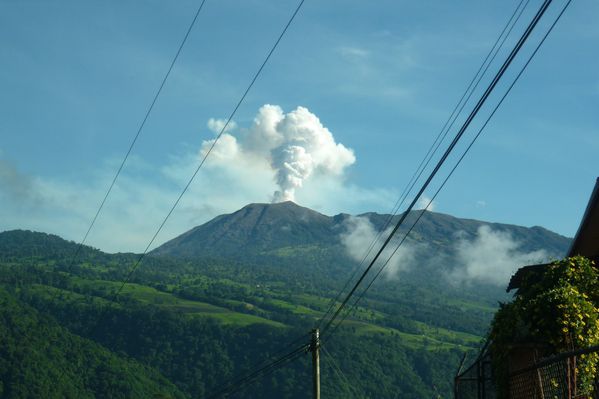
{"x":258,"y":227}
{"x":258,"y":217}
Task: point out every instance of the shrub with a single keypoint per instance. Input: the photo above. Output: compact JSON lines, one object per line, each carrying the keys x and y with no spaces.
{"x":559,"y":312}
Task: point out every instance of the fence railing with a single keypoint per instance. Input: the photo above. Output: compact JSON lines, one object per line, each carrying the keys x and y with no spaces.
{"x":554,"y":377}
{"x":476,"y":382}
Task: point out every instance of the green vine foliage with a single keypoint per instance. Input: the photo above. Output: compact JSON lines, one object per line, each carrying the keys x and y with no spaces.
{"x":556,"y":312}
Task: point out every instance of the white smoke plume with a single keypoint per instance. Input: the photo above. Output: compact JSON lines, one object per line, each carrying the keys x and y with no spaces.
{"x":492,"y":257}
{"x":361,"y":233}
{"x":425,"y":203}
{"x":294,"y":145}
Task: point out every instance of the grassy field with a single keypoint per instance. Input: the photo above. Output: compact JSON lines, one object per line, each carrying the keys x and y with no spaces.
{"x":264,"y":310}
{"x":412,"y":341}
{"x":151,"y":296}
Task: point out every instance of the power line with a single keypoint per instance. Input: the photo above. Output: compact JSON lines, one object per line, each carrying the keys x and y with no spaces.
{"x":223,"y":129}
{"x":480,"y":131}
{"x":337,"y":370}
{"x":353,"y":307}
{"x":252,"y":377}
{"x":139,"y":130}
{"x":215,"y":141}
{"x":454,"y":142}
{"x":137,"y":134}
{"x":271,"y":367}
{"x":436,"y":144}
{"x":266,"y":361}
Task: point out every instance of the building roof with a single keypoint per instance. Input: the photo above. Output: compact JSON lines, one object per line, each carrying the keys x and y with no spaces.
{"x":525,"y":272}
{"x":585,"y":243}
{"x":586,"y":240}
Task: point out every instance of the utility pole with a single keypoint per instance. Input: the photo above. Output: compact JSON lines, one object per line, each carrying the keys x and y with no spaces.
{"x":315,"y":349}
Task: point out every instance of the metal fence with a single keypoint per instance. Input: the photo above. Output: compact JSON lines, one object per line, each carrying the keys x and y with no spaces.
{"x":555,"y":377}
{"x":476,"y":382}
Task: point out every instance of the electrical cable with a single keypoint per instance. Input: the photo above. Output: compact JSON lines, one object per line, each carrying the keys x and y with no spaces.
{"x":250,"y":379}
{"x":257,"y":374}
{"x":480,"y":131}
{"x":214,"y":142}
{"x":452,"y":145}
{"x":435,"y":145}
{"x":133,"y":142}
{"x":138,"y":133}
{"x":337,"y":370}
{"x":223,"y":129}
{"x":139,"y":130}
{"x":454,"y":142}
{"x":269,"y":358}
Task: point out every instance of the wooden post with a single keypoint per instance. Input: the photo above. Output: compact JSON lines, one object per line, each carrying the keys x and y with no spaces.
{"x":315,"y":348}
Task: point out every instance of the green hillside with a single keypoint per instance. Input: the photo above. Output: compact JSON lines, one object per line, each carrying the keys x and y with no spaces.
{"x":41,"y":359}
{"x":199,"y":324}
{"x":202,"y":310}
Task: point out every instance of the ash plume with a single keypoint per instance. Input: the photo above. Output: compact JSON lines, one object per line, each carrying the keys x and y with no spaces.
{"x":294,"y":145}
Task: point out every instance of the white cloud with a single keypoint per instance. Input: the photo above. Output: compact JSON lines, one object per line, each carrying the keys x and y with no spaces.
{"x":359,"y":236}
{"x":217,"y":125}
{"x":352,"y":52}
{"x":294,"y":146}
{"x":425,"y":203}
{"x":491,"y":257}
{"x":66,"y":208}
{"x":248,"y":166}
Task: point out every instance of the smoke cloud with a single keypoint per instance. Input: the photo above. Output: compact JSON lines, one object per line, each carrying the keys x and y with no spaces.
{"x":425,"y":203}
{"x":492,"y":257}
{"x":295,"y":146}
{"x":15,"y":185}
{"x":361,"y":233}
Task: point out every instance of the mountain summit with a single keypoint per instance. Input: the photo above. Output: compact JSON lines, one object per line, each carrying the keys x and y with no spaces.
{"x":280,"y":229}
{"x":253,"y":228}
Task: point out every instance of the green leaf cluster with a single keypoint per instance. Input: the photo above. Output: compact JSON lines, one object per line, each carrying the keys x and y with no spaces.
{"x":555,"y":313}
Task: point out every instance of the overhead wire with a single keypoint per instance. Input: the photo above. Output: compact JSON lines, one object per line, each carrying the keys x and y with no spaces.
{"x":134,"y":141}
{"x":268,"y":359}
{"x":132,"y":270}
{"x":132,"y":144}
{"x":444,"y":131}
{"x":448,"y":151}
{"x":432,"y":150}
{"x":209,"y":151}
{"x":337,"y":370}
{"x":252,"y":377}
{"x":139,"y":260}
{"x":459,"y":161}
{"x":138,"y":133}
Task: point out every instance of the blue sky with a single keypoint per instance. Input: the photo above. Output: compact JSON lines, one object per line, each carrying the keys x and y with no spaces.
{"x":382,"y":77}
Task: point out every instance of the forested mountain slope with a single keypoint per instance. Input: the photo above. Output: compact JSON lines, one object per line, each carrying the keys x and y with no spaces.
{"x":41,"y":359}
{"x":226,"y":295}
